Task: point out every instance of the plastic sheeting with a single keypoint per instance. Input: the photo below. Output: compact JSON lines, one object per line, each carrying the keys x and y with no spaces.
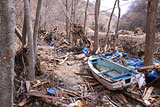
{"x":110,"y":55}
{"x":132,"y":63}
{"x":84,"y":50}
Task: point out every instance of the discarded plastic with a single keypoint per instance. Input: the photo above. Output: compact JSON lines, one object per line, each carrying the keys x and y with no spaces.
{"x":84,"y":50}
{"x":52,"y":91}
{"x":110,"y":55}
{"x":153,"y":74}
{"x":76,"y":104}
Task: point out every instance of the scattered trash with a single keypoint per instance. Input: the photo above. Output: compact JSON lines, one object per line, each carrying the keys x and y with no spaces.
{"x":52,"y":91}
{"x":58,"y":60}
{"x":76,"y":104}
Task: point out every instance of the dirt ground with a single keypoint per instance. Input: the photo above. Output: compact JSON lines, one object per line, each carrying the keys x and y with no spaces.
{"x":64,"y":75}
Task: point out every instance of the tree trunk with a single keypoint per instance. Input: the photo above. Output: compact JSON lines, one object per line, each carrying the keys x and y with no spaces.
{"x":24,"y":31}
{"x":85,"y":19}
{"x":67,"y":21}
{"x":117,"y":27}
{"x":36,"y":26}
{"x":109,"y":23}
{"x":96,"y":32}
{"x":7,"y":30}
{"x":150,"y":32}
{"x":31,"y":56}
{"x":75,"y":11}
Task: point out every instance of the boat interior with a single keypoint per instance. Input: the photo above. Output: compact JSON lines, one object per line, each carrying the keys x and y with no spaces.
{"x":112,"y":71}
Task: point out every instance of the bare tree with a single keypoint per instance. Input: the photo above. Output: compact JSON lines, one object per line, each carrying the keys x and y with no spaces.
{"x":150,"y":31}
{"x":85,"y":19}
{"x":31,"y":56}
{"x":109,"y":23}
{"x":7,"y":29}
{"x":96,"y":32}
{"x":36,"y":25}
{"x":67,"y":21}
{"x":117,"y":27}
{"x":24,"y":31}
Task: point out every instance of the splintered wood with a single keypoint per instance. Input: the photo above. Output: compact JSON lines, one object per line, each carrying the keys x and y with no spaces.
{"x":148,"y":93}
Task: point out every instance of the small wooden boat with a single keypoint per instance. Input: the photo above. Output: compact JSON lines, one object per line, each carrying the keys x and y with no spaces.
{"x":112,"y":75}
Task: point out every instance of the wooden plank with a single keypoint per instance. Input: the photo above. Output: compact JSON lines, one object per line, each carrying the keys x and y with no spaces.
{"x":38,"y":84}
{"x":38,"y":94}
{"x":123,"y":98}
{"x":24,"y":102}
{"x":88,"y":77}
{"x":28,"y":85}
{"x":148,"y":93}
{"x":94,"y":83}
{"x":69,"y":92}
{"x":148,"y":67}
{"x":83,"y":74}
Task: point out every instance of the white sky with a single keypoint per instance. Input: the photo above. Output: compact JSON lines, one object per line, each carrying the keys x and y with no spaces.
{"x":108,"y":4}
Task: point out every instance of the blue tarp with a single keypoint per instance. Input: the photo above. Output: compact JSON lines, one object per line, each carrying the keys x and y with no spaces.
{"x":135,"y":63}
{"x":110,"y":55}
{"x":52,"y":91}
{"x":153,"y":74}
{"x":132,"y":63}
{"x":84,"y":50}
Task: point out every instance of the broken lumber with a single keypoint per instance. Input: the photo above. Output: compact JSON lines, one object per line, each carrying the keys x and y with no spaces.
{"x":148,"y":93}
{"x":134,"y":98}
{"x":28,"y":85}
{"x":41,"y":83}
{"x":80,"y":56}
{"x":69,"y":92}
{"x":38,"y":94}
{"x":24,"y":102}
{"x":53,"y":103}
{"x":63,"y":61}
{"x":123,"y":98}
{"x":88,"y":77}
{"x":149,"y":67}
{"x":94,"y":83}
{"x":83,"y":74}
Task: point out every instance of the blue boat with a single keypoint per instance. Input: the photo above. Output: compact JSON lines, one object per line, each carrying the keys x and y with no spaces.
{"x":112,"y":75}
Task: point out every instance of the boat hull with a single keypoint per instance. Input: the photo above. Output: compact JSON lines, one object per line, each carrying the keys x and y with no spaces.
{"x":113,"y":85}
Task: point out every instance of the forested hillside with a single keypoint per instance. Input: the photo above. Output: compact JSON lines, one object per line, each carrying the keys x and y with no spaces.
{"x":52,"y":14}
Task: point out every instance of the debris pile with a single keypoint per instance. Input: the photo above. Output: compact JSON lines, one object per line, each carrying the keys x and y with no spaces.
{"x":64,"y":79}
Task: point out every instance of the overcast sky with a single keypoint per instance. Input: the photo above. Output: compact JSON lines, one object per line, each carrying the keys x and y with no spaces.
{"x":107,"y":4}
